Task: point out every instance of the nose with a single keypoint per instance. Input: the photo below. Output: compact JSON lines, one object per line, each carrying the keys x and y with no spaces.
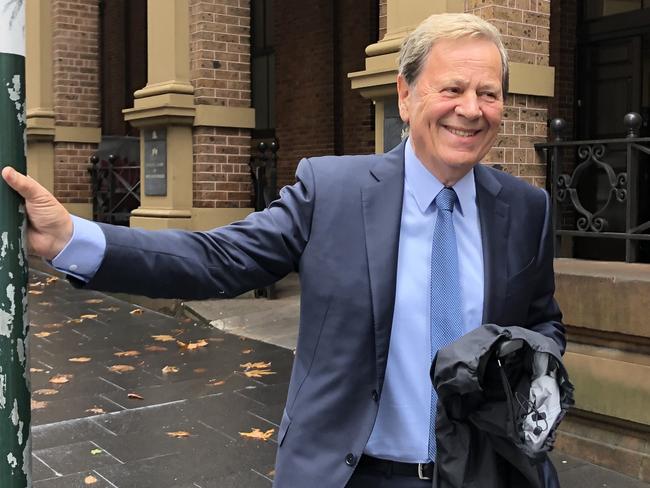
{"x":468,"y":106}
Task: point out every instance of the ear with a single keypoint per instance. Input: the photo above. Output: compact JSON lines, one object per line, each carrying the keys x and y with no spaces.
{"x":403,"y":100}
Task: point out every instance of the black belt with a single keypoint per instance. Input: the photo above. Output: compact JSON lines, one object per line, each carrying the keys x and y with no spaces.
{"x":424,"y":471}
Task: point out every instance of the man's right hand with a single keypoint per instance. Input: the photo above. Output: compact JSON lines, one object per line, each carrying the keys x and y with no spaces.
{"x":49,"y":225}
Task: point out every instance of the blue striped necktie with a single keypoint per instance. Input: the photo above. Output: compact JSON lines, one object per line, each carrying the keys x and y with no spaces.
{"x":446,"y":309}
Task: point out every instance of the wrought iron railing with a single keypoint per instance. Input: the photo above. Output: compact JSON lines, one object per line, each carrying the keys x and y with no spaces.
{"x":116,"y":188}
{"x":600,"y":194}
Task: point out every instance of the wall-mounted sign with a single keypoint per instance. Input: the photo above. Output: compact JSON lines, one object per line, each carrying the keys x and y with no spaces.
{"x":155,"y":162}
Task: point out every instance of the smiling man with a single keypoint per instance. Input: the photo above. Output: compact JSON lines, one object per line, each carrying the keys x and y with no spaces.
{"x":399,"y":254}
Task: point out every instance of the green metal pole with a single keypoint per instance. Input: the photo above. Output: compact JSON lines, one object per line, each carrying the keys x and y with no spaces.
{"x":15,"y":444}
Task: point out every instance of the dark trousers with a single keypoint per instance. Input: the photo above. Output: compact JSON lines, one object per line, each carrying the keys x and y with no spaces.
{"x":366,"y":478}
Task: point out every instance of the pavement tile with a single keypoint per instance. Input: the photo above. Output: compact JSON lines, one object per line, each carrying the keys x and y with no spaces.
{"x":75,"y":480}
{"x":77,"y":457}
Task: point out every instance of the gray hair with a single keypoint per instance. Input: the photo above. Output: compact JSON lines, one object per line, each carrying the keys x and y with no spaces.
{"x":418,"y":44}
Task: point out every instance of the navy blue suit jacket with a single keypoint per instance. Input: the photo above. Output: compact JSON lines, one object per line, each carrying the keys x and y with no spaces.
{"x":338,"y":226}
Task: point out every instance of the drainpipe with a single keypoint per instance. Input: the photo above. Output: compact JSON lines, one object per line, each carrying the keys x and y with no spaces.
{"x":15,"y":443}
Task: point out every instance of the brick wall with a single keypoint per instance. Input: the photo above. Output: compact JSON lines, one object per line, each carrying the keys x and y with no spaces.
{"x":563,"y":58}
{"x":75,"y":45}
{"x":317,"y":112}
{"x":525,"y":27}
{"x":220,"y":74}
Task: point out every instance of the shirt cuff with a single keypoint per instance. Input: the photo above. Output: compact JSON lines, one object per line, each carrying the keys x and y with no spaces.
{"x":84,"y":252}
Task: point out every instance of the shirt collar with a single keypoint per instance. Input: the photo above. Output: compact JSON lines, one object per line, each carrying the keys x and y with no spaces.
{"x":424,"y":186}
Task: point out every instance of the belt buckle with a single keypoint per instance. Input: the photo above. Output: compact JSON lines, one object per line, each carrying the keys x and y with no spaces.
{"x":420,"y":473}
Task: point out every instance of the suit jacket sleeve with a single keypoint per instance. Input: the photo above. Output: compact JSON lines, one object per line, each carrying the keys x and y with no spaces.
{"x":223,"y":262}
{"x":544,"y":315}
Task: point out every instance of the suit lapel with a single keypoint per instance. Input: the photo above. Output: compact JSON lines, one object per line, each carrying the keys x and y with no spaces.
{"x":381,"y":199}
{"x":493,"y":215}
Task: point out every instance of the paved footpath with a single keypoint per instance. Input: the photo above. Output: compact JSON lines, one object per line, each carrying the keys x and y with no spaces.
{"x":183,"y":429}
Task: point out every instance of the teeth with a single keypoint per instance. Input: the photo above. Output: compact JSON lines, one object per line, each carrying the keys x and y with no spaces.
{"x":462,"y":133}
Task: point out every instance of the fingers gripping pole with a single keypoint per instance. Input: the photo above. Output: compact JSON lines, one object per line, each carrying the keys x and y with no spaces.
{"x":15,"y":446}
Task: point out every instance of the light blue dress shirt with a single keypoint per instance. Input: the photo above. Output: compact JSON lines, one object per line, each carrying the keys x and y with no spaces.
{"x":401,"y":431}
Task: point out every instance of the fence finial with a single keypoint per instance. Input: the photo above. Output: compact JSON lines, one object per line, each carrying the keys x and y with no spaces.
{"x":632,"y":122}
{"x":557,"y":128}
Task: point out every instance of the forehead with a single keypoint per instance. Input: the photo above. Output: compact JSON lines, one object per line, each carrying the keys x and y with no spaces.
{"x":467,"y":56}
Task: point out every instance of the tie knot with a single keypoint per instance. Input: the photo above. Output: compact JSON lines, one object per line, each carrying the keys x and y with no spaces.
{"x":446,"y":199}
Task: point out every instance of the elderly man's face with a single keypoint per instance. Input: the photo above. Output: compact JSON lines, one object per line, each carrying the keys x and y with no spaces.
{"x":454,"y":107}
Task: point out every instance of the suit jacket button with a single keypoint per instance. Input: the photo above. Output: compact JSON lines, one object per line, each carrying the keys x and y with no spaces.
{"x":350,"y":459}
{"x":375,"y":395}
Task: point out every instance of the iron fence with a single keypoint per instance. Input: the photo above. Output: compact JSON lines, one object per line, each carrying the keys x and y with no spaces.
{"x":600,"y":194}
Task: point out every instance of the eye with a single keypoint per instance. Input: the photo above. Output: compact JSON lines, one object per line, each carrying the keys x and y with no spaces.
{"x":489,"y":95}
{"x":454,"y":90}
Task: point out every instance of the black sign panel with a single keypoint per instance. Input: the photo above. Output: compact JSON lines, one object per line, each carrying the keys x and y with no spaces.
{"x":155,"y":162}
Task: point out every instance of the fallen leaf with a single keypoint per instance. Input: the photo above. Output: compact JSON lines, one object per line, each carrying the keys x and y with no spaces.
{"x":121,"y":368}
{"x":216,"y":382}
{"x":170,"y":369}
{"x":257,"y":365}
{"x":42,"y":335}
{"x":96,"y":410}
{"x":109,"y":309}
{"x":192,"y":345}
{"x":126,"y":354}
{"x":135,"y":396}
{"x":258,"y":373}
{"x":258,"y":434}
{"x":179,"y":434}
{"x":55,"y":325}
{"x":95,"y":452}
{"x":46,"y":304}
{"x":81,"y":359}
{"x":155,"y":348}
{"x":35,"y":292}
{"x":51,"y":279}
{"x":90,"y":480}
{"x":34,"y":285}
{"x":36,"y":405}
{"x":163,"y":338}
{"x":74,"y":321}
{"x":136,"y":311}
{"x":46,"y":391}
{"x":36,"y":370}
{"x":200,"y":370}
{"x":88,"y":316}
{"x":60,"y":379}
{"x":94,"y":300}
{"x":247,"y":351}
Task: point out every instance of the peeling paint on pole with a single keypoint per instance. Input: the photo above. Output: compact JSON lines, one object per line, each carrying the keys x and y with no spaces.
{"x":15,"y":443}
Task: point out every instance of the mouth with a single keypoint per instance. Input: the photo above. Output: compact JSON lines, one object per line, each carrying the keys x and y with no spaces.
{"x":462,"y":132}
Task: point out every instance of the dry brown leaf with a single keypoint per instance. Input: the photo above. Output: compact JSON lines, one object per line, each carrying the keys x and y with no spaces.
{"x":51,"y":280}
{"x":46,"y":392}
{"x":121,"y":368}
{"x":258,"y":434}
{"x":60,"y":379}
{"x":109,"y":309}
{"x":200,"y":370}
{"x":192,"y":345}
{"x":163,"y":338}
{"x":155,"y":348}
{"x":170,"y":369}
{"x":35,"y":292}
{"x":36,"y":370}
{"x":135,"y":396}
{"x":136,"y":311}
{"x":126,"y":354}
{"x":94,"y":300}
{"x":96,"y":410}
{"x":216,"y":382}
{"x":257,"y":365}
{"x":179,"y":434}
{"x":258,"y":373}
{"x":42,"y":335}
{"x":88,"y":316}
{"x":74,"y":321}
{"x":90,"y":480}
{"x":36,"y":405}
{"x":247,"y":351}
{"x":81,"y":359}
{"x":34,"y":285}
